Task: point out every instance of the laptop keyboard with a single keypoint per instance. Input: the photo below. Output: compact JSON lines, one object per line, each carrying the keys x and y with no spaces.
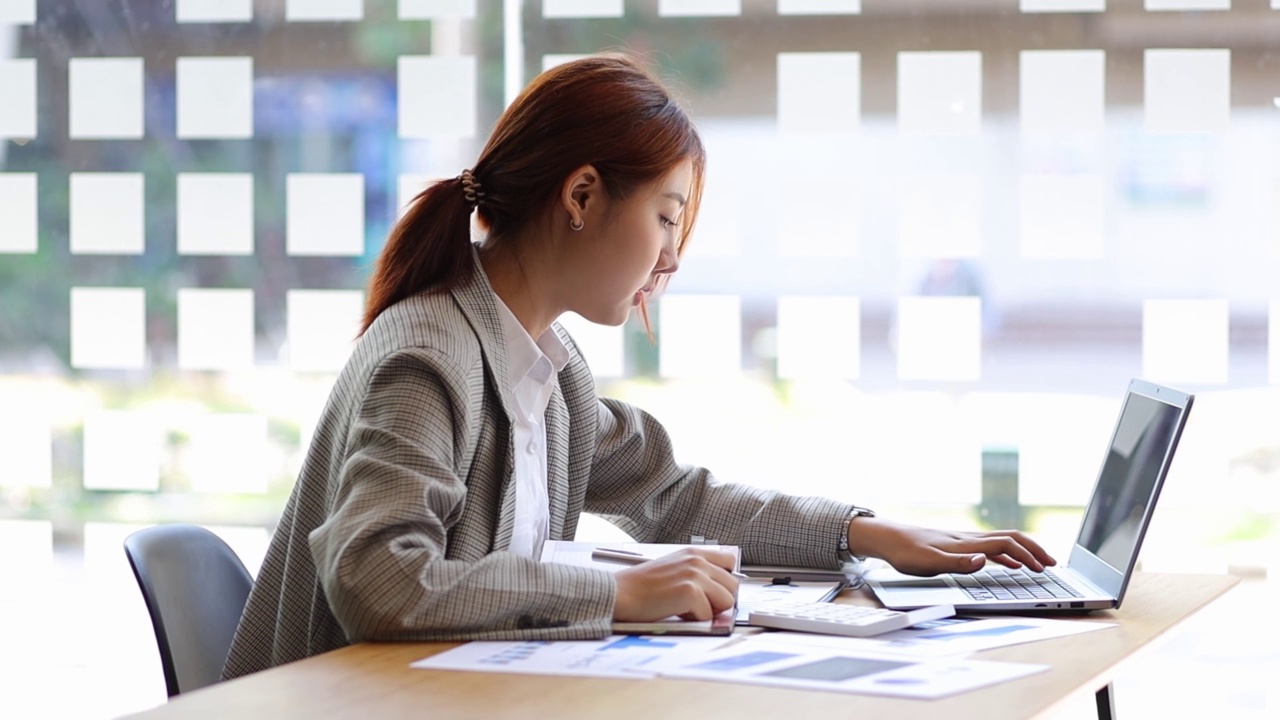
{"x":998,"y":583}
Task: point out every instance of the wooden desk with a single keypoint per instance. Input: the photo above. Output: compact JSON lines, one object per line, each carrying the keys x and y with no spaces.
{"x":374,"y":680}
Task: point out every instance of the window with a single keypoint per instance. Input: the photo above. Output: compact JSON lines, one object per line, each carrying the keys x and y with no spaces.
{"x":937,"y":241}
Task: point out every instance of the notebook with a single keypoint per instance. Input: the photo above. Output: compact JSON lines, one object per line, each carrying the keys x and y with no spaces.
{"x":1110,"y":536}
{"x":570,"y":552}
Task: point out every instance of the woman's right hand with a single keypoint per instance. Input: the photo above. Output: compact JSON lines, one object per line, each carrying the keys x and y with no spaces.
{"x":694,"y":583}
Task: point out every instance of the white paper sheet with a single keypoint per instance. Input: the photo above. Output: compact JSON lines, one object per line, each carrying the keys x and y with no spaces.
{"x":772,"y":660}
{"x":949,"y":637}
{"x":621,"y":656}
{"x":966,"y":634}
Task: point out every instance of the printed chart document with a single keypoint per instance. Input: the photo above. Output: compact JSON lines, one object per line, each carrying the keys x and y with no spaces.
{"x":580,"y":553}
{"x":962,"y":635}
{"x":616,"y":656}
{"x":771,"y":660}
{"x":949,"y":637}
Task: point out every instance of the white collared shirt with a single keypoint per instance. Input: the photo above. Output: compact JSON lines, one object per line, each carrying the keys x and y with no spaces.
{"x":531,"y":370}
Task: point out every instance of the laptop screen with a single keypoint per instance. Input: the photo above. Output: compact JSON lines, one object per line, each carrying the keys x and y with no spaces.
{"x":1114,"y":521}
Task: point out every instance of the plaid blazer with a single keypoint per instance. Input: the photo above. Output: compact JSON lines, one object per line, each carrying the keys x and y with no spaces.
{"x":397,"y":524}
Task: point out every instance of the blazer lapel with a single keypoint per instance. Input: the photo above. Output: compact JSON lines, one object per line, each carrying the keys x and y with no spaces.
{"x":557,"y":464}
{"x":476,"y":300}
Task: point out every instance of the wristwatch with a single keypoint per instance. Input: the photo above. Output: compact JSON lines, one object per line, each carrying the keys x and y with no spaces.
{"x":842,"y":548}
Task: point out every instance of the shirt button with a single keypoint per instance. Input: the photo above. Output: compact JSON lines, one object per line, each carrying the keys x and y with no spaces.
{"x":532,"y":448}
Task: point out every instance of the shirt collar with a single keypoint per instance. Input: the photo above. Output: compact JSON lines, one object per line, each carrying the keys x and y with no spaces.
{"x":523,"y":353}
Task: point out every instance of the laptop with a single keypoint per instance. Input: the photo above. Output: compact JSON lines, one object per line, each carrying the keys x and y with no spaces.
{"x":1106,"y":549}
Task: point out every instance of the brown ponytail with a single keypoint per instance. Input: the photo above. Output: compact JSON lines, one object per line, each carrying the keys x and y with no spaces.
{"x":606,"y":111}
{"x":430,"y":247}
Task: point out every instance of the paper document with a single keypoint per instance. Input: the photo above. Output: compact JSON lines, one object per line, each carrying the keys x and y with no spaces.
{"x":768,"y":659}
{"x":617,"y":656}
{"x":964,"y":634}
{"x":753,"y":593}
{"x":570,"y":552}
{"x":580,"y":553}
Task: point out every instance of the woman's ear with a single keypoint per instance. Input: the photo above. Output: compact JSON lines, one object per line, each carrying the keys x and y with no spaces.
{"x":582,"y":194}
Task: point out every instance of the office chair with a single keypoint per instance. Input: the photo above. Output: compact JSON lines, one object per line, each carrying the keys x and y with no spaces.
{"x":195,"y":588}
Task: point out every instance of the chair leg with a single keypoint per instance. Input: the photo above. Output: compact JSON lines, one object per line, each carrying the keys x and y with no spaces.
{"x":1106,"y":703}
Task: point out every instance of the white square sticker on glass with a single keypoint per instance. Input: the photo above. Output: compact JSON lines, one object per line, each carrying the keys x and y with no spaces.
{"x":719,"y":218}
{"x":107,"y":570}
{"x":306,"y":409}
{"x":323,"y":10}
{"x":700,"y":336}
{"x":1062,"y":91}
{"x":1187,"y":91}
{"x":940,"y":93}
{"x":819,"y":92}
{"x":215,"y":214}
{"x":26,"y":551}
{"x":940,"y":215}
{"x":601,"y":345}
{"x":105,"y":98}
{"x":436,"y":96}
{"x":1059,"y":448}
{"x":1157,"y":5}
{"x":26,"y":441}
{"x":581,"y":8}
{"x":819,"y":337}
{"x":324,"y":214}
{"x":408,"y":187}
{"x":18,"y":213}
{"x":122,"y":450}
{"x":949,"y":471}
{"x":248,"y":543}
{"x":17,"y":12}
{"x":227,"y":453}
{"x":322,"y":328}
{"x":1185,"y":341}
{"x":551,"y":60}
{"x":437,"y":9}
{"x":18,"y":88}
{"x":699,"y":8}
{"x":1062,"y":217}
{"x":835,"y":230}
{"x":819,"y":7}
{"x":1273,"y":344}
{"x":939,"y":338}
{"x":1062,"y":6}
{"x":215,"y":329}
{"x":107,"y":214}
{"x":214,"y":11}
{"x":215,"y":97}
{"x":108,"y":328}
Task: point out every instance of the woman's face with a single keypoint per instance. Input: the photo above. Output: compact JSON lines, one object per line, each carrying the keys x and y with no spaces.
{"x":635,"y":245}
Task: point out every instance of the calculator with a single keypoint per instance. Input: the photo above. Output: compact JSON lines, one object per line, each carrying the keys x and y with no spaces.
{"x":840,"y":619}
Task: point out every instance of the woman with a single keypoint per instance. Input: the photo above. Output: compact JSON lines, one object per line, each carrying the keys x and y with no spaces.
{"x":465,"y":430}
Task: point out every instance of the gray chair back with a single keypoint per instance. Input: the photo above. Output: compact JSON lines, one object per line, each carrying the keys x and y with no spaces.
{"x":195,"y":588}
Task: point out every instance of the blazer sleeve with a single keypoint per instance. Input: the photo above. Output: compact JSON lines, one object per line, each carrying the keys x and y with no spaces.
{"x":380,"y":555}
{"x":637,"y":484}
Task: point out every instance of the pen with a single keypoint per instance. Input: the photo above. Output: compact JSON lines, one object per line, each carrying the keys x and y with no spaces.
{"x":627,"y":557}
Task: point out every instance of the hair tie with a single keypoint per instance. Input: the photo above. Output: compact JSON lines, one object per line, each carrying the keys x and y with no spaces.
{"x":471,"y":188}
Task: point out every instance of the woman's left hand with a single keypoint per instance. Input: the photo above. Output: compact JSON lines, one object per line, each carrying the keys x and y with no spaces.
{"x":925,"y":551}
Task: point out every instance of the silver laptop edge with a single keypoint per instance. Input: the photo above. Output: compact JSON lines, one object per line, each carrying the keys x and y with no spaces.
{"x":1102,"y":582}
